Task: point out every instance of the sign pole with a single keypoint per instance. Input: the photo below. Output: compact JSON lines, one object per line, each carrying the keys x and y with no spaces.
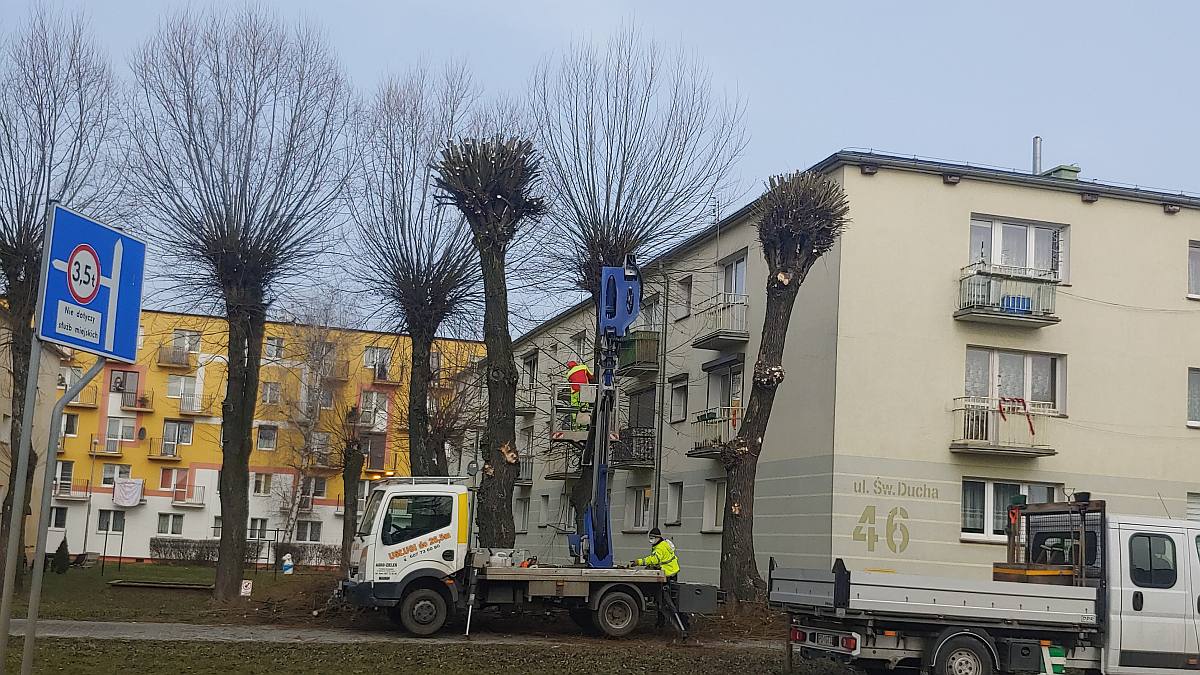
{"x":39,"y":555}
{"x":12,"y":555}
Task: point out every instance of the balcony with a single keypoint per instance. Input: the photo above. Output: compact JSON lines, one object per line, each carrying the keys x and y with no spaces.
{"x":195,"y":404}
{"x":62,"y":445}
{"x":638,"y":355}
{"x":712,"y":429}
{"x":66,"y":492}
{"x":1008,"y":427}
{"x":1007,"y":296}
{"x":573,"y":412}
{"x":386,"y":374}
{"x":135,"y":402}
{"x":176,"y":357}
{"x":109,"y":447}
{"x":340,"y":510}
{"x":564,"y":463}
{"x":634,"y":450}
{"x":525,"y":475}
{"x":188,"y":496}
{"x":304,"y":504}
{"x":164,"y":451}
{"x":86,"y":398}
{"x":723,"y":322}
{"x":338,"y":371}
{"x":318,"y":461}
{"x":526,"y":399}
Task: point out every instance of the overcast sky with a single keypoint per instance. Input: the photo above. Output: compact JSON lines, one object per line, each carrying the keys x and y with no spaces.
{"x":1110,"y":86}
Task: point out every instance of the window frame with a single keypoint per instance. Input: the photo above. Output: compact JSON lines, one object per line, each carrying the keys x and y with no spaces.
{"x":521,"y":506}
{"x":996,"y":246}
{"x":1193,"y":285}
{"x":1193,"y":373}
{"x":257,"y":533}
{"x":1059,"y":381}
{"x":683,"y":307}
{"x":174,"y":521}
{"x":683,"y":384}
{"x":70,"y":422}
{"x":639,"y":501}
{"x":190,"y":340}
{"x":257,"y":486}
{"x":258,"y":437}
{"x":117,"y":471}
{"x":308,"y":531}
{"x":272,"y":392}
{"x":1150,"y":551}
{"x":111,"y":528}
{"x":714,"y":505}
{"x":543,"y":510}
{"x":674,"y":503}
{"x":989,"y":498}
{"x":273,"y":347}
{"x":54,"y":511}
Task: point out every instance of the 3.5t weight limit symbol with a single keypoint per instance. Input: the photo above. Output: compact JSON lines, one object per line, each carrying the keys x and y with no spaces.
{"x":83,"y":274}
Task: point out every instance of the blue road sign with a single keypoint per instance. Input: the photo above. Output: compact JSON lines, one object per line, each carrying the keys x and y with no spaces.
{"x":91,"y":291}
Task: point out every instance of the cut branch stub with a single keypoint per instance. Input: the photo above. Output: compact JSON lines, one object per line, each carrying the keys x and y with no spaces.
{"x":769,"y":377}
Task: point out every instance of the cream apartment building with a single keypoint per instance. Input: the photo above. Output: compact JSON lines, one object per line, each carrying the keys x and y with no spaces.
{"x":977,"y":333}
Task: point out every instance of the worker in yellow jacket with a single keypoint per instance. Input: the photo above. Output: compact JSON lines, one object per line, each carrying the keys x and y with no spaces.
{"x":663,"y":556}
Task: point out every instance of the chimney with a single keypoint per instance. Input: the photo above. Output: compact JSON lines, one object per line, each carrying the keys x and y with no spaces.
{"x":1037,"y":155}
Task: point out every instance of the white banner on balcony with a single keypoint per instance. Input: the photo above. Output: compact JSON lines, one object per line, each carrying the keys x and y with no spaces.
{"x":128,"y":491}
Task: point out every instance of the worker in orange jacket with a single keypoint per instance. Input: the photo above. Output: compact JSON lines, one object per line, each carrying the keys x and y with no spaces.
{"x":578,"y":374}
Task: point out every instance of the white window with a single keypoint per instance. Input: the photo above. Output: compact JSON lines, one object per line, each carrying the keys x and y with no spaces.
{"x":529,"y":370}
{"x":638,"y":502}
{"x":70,"y":424}
{"x":1037,"y":379}
{"x":435,"y":366}
{"x":64,"y":474}
{"x":271,"y":392}
{"x":141,"y":338}
{"x":181,"y":386}
{"x":175,"y":434}
{"x":170,"y":524}
{"x":521,"y":513}
{"x":674,"y":503}
{"x":216,"y":528}
{"x":68,"y":375}
{"x":325,"y":398}
{"x":1194,"y":269}
{"x":320,"y":447}
{"x":111,"y":521}
{"x":714,"y":505}
{"x":377,"y":356}
{"x":58,"y":517}
{"x":525,"y":441}
{"x":261,"y":484}
{"x":374,"y":407}
{"x":118,"y":430}
{"x":985,"y":505}
{"x":650,"y":316}
{"x":1019,"y":248}
{"x":111,"y":472}
{"x":544,"y":511}
{"x":733,"y":279}
{"x":679,"y":400}
{"x":313,"y":486}
{"x":308,"y":530}
{"x":579,"y":348}
{"x":267,"y":437}
{"x":186,"y":340}
{"x":274,"y":348}
{"x":1193,"y":404}
{"x":681,"y":299}
{"x":258,"y":528}
{"x":173,"y":479}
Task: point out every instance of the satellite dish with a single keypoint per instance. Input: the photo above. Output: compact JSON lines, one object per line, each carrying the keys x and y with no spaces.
{"x":472,"y":468}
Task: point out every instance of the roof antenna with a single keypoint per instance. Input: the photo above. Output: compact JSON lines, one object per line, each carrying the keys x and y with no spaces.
{"x":1164,"y":504}
{"x":1037,"y":155}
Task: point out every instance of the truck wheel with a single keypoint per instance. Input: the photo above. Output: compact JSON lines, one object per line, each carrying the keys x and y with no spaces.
{"x":422,"y":612}
{"x":963,"y":656}
{"x":617,"y":614}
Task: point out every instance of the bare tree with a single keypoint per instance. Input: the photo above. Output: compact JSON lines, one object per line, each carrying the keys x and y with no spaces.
{"x":494,"y":182}
{"x":800,"y":218}
{"x":416,"y":256}
{"x":635,"y":145}
{"x":240,"y":153}
{"x":58,"y":134}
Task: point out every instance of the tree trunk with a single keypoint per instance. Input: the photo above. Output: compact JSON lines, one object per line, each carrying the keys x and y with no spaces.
{"x":352,"y":463}
{"x":739,"y":571}
{"x":426,"y":459}
{"x":21,"y":300}
{"x":246,"y":314}
{"x":501,"y":460}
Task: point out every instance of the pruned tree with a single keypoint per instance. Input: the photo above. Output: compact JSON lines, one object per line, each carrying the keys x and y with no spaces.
{"x":636,"y":144}
{"x":415,"y":256}
{"x":240,"y":152}
{"x":799,"y":219}
{"x":58,"y":136}
{"x":494,"y":182}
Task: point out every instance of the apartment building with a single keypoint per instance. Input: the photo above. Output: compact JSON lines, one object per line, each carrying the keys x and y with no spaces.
{"x":977,"y":334}
{"x":154,"y":428}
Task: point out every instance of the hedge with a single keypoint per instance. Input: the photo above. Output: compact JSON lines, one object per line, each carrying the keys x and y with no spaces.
{"x":177,"y":549}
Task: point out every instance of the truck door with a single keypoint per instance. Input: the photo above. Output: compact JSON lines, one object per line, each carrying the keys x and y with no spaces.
{"x":1155,"y":597}
{"x":1192,"y":544}
{"x":417,"y":531}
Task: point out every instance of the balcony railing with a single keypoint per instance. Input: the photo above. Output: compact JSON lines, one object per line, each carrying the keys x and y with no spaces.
{"x":635,"y":450}
{"x":195,"y":404}
{"x":563,"y":463}
{"x":304,"y":504}
{"x":340,"y":510}
{"x":143,"y":402}
{"x":188,"y":496}
{"x":638,"y":354}
{"x":338,"y":370}
{"x":526,"y":398}
{"x":318,"y":460}
{"x":170,"y":356}
{"x":1007,"y":295}
{"x":525,"y":475}
{"x":110,"y":447}
{"x":163,"y":450}
{"x":723,"y":318}
{"x":386,"y":373}
{"x":713,"y":428}
{"x":66,"y":491}
{"x":86,"y":398}
{"x":574,"y":411}
{"x":1003,"y":426}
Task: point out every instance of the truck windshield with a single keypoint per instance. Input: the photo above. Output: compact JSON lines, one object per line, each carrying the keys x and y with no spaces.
{"x":368,"y":520}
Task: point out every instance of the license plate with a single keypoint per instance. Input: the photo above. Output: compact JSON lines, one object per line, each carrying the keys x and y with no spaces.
{"x":825,"y":640}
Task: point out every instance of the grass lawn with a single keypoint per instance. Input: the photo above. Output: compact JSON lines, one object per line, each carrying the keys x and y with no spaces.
{"x":84,"y":594}
{"x":88,"y":656}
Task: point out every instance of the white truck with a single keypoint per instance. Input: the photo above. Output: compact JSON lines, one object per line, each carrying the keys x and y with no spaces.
{"x":412,"y":558}
{"x":1081,"y":589}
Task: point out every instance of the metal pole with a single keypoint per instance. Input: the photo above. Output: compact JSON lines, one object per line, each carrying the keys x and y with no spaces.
{"x":39,"y":553}
{"x":121,"y":550}
{"x":662,"y":393}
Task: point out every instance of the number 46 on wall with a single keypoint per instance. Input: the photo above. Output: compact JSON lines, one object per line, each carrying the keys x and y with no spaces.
{"x":895,"y":532}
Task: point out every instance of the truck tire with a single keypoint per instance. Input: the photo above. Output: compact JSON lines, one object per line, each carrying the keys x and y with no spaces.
{"x":617,"y":614}
{"x":963,"y":656}
{"x":422,"y":612}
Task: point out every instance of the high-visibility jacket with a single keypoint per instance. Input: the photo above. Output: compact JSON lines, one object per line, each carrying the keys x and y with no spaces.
{"x":579,"y":374}
{"x":663,"y":557}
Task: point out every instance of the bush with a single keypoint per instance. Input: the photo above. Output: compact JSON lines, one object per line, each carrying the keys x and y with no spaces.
{"x":196,"y":551}
{"x":309,"y":555}
{"x":62,"y":558}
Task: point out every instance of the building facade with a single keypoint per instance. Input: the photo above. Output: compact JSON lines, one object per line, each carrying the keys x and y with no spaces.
{"x":154,"y":428}
{"x":976,"y":334}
